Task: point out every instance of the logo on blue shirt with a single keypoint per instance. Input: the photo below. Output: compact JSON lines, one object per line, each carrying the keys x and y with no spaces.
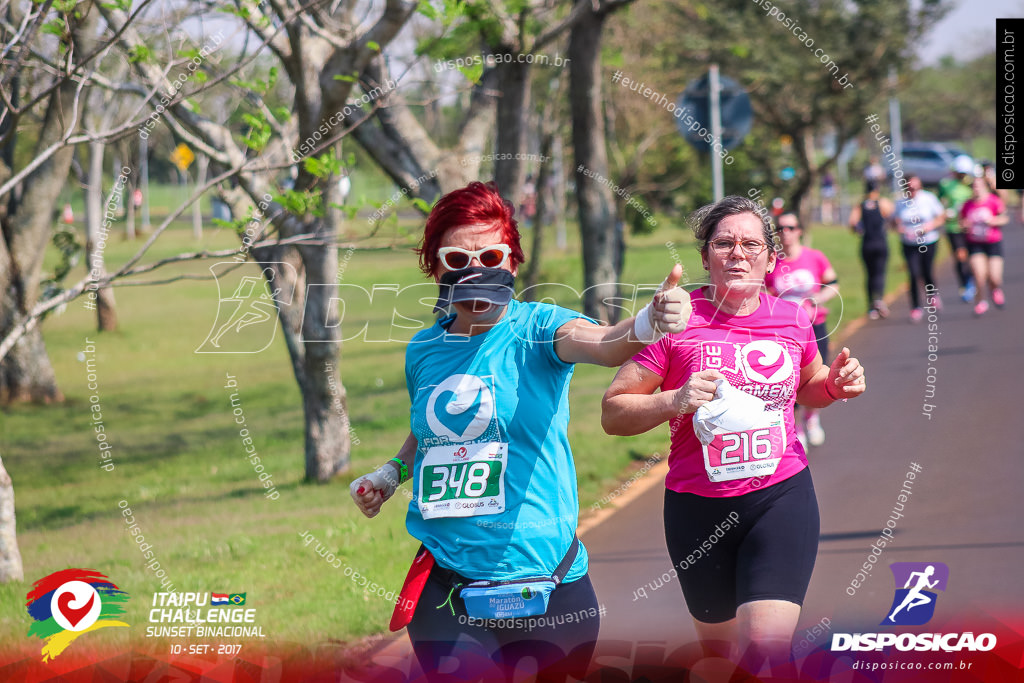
{"x":460,"y":408}
{"x":455,"y":414}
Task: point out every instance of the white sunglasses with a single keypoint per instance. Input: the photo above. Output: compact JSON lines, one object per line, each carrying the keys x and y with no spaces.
{"x":457,"y":258}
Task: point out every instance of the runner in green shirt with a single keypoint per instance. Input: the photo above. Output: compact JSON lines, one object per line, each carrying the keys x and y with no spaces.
{"x":953,"y":192}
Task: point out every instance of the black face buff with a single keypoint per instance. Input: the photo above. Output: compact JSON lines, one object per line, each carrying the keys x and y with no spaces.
{"x":493,"y":285}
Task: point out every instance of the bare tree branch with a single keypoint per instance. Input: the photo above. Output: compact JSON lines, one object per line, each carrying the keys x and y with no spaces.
{"x":31,"y":320}
{"x":72,"y":71}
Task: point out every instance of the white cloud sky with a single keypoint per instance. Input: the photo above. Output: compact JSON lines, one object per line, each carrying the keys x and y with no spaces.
{"x":968,"y":30}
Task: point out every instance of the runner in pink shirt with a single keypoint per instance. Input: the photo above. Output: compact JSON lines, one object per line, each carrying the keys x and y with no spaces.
{"x":741,"y":518}
{"x":982,"y":217}
{"x":804,"y":276}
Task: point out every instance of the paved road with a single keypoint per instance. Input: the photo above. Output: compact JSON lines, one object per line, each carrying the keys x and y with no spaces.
{"x":965,"y":508}
{"x":966,"y":504}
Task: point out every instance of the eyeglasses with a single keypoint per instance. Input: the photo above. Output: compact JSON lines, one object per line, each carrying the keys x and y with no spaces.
{"x":751,"y":248}
{"x":787,"y":227}
{"x":456,"y":258}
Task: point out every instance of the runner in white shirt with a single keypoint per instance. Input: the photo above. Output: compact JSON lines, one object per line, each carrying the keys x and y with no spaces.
{"x":919,"y":218}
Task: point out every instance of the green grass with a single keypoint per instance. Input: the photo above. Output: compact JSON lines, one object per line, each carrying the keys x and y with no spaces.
{"x":179,"y":460}
{"x":368,"y":189}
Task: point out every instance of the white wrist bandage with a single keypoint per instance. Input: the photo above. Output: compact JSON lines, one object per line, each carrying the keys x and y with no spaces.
{"x":642,"y":327}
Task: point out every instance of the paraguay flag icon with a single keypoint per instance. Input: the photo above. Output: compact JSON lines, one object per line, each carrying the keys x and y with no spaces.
{"x":219,"y":599}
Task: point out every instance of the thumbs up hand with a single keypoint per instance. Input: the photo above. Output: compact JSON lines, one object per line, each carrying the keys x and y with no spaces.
{"x":671,"y":309}
{"x":668,"y":311}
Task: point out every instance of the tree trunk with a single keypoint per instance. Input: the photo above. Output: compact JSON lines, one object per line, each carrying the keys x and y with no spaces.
{"x":513,"y":105}
{"x":595,"y":209}
{"x":144,"y":182}
{"x":327,"y":430}
{"x":26,"y":373}
{"x":544,"y":213}
{"x":308,"y":314}
{"x":129,"y":211}
{"x":560,"y":193}
{"x":805,"y":189}
{"x":97,"y":236}
{"x":10,"y":557}
{"x":202,"y":165}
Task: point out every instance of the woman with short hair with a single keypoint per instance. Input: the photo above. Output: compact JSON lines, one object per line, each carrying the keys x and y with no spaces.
{"x":729,"y":383}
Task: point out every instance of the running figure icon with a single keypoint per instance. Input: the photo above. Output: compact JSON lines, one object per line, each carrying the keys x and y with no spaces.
{"x":247,"y":306}
{"x":915,"y":597}
{"x":249,"y":311}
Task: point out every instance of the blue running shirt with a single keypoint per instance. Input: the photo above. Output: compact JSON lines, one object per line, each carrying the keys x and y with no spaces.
{"x":494,"y":479}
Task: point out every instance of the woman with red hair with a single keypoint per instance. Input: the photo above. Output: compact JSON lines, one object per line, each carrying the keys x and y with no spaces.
{"x":501,"y":574}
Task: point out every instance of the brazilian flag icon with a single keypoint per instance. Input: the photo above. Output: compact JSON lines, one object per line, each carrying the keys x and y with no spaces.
{"x":236,"y":598}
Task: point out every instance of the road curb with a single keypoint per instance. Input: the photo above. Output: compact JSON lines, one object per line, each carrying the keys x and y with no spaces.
{"x":640,"y":486}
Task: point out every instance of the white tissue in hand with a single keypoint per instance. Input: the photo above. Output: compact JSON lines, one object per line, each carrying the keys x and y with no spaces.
{"x":731,"y":410}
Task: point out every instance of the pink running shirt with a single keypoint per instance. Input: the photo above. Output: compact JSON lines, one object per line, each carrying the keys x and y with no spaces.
{"x":977,"y":212}
{"x":761,"y":354}
{"x":800,"y":278}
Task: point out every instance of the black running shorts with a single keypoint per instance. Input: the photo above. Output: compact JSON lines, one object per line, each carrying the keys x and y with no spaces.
{"x":767,"y":554}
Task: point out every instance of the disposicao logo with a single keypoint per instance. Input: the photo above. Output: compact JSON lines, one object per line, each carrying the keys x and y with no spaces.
{"x":913,"y":605}
{"x":69,"y":603}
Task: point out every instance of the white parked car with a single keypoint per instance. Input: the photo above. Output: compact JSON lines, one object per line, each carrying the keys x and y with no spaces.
{"x":930,"y":161}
